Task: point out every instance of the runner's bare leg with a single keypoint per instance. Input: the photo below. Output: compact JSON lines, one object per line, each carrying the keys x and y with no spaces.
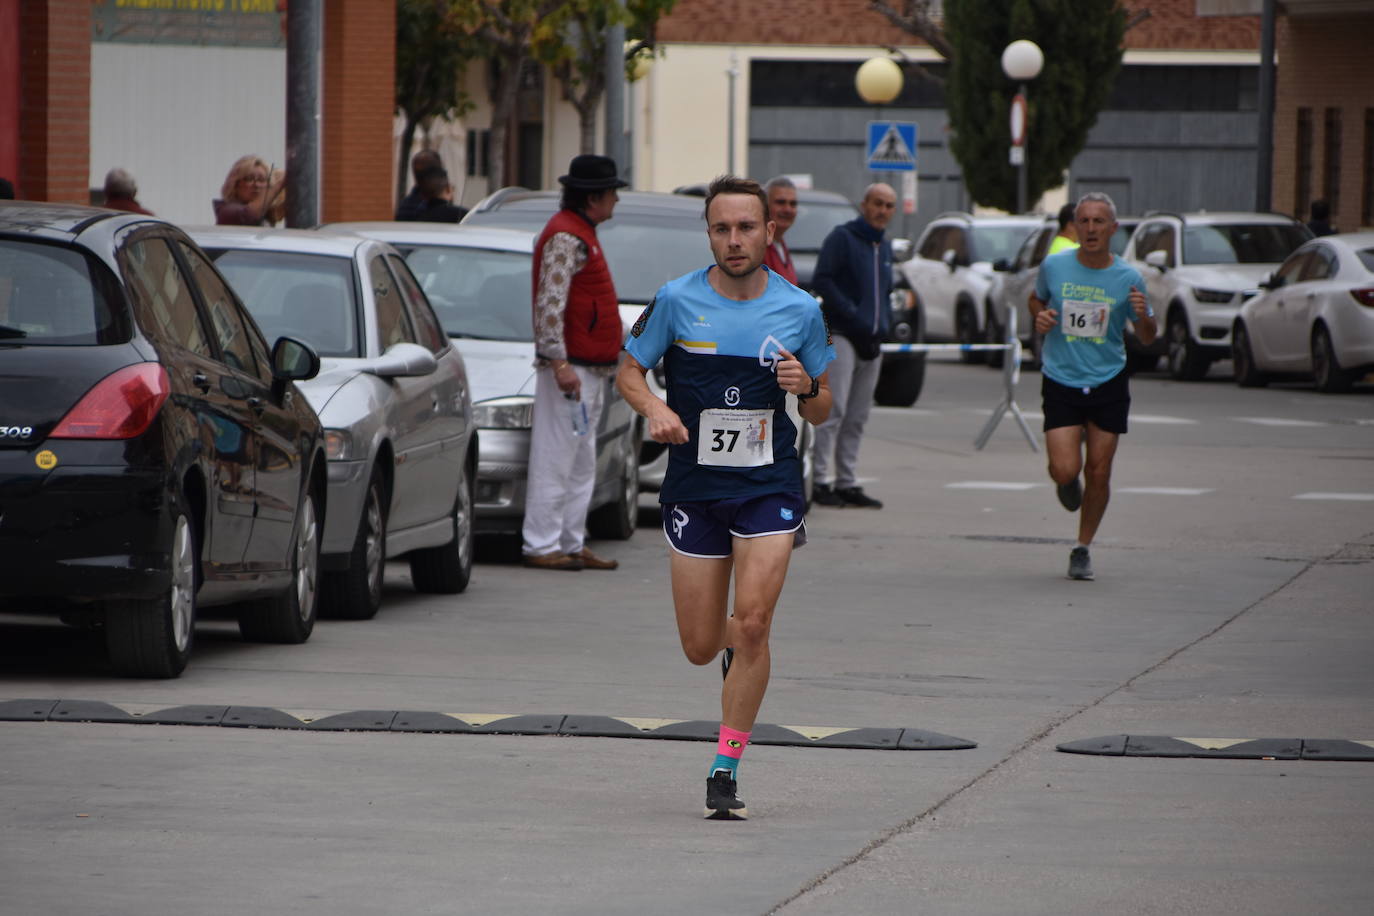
{"x":760,"y":570}
{"x":1097,"y":478}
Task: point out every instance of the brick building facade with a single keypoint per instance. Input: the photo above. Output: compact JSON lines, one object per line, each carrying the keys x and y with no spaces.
{"x":46,"y":116}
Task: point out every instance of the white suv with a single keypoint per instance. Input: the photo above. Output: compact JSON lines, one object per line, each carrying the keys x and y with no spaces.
{"x":952,"y":276}
{"x":1198,"y":269}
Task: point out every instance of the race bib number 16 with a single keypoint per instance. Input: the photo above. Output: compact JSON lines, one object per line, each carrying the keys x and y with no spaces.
{"x":1084,"y":319}
{"x":735,"y":438}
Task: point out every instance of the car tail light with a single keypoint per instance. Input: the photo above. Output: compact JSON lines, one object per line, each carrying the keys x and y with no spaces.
{"x":1364,"y":296}
{"x":121,"y":405}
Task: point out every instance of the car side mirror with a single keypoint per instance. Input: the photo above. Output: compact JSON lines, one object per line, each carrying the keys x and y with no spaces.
{"x":403,"y":360}
{"x":294,"y":360}
{"x":1158,"y":259}
{"x":1001,"y":265}
{"x":1273,"y":281}
{"x":951,"y":259}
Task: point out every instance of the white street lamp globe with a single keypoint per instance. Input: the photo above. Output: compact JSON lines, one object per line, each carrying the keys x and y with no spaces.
{"x":878,"y":81}
{"x":1022,"y":60}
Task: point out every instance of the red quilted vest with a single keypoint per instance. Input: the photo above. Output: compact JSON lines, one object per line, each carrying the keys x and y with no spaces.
{"x":591,"y":322}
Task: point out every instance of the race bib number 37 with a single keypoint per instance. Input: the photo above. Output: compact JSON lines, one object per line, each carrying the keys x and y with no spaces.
{"x":1085,"y":319}
{"x":735,"y":438}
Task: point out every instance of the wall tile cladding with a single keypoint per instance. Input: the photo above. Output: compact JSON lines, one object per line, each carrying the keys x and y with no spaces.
{"x":359,"y":63}
{"x":55,"y":101}
{"x":1173,"y":24}
{"x":1329,"y":60}
{"x":803,"y":22}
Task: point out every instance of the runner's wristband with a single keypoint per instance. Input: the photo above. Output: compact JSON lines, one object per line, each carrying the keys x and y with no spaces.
{"x":815,"y":390}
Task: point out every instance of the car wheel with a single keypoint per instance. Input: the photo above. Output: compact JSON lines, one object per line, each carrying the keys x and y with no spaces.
{"x":966,"y":329}
{"x":289,"y":617}
{"x":995,"y":334}
{"x":1326,"y":369}
{"x":1243,"y":360}
{"x":1138,"y":361}
{"x":617,"y":519}
{"x":900,"y":379}
{"x":1186,"y":362}
{"x":355,"y":593}
{"x":1037,"y":350}
{"x":153,"y":637}
{"x":447,"y":569}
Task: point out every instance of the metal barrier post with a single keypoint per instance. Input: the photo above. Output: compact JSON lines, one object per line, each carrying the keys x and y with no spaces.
{"x":1011,"y":374}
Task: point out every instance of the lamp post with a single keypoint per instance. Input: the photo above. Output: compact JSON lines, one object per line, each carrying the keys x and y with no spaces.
{"x":1021,"y":61}
{"x":879,"y":81}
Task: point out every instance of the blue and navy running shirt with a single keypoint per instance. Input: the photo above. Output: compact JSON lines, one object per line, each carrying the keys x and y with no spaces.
{"x":721,"y":353}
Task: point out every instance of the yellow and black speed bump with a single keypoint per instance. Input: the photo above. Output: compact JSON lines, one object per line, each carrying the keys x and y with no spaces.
{"x":860,"y":738}
{"x":1226,"y":748}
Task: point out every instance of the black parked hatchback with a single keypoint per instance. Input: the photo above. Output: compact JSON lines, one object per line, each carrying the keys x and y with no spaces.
{"x":155,"y":456}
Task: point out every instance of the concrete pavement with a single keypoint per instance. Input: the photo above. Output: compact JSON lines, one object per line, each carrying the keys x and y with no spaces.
{"x":1233,"y":609}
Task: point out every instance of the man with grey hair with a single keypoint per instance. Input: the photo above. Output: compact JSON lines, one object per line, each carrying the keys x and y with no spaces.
{"x":1083,"y":298}
{"x":120,"y":191}
{"x":782,"y":210}
{"x":854,"y":279}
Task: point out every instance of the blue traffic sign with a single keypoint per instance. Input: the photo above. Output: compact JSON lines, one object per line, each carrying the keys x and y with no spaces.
{"x":891,"y":146}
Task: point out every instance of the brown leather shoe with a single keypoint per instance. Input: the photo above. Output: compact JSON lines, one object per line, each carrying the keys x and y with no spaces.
{"x":592,"y":561}
{"x":552,"y":561}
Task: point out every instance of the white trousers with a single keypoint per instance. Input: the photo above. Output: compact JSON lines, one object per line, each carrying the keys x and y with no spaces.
{"x":562,"y":471}
{"x":852,"y":381}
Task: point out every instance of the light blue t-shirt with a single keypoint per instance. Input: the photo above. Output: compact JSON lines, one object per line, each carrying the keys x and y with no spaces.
{"x":721,"y":354}
{"x":1085,"y":348}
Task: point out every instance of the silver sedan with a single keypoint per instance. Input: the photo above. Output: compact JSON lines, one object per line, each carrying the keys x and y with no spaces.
{"x":479,"y":282}
{"x":1315,"y":316}
{"x":392,"y":394}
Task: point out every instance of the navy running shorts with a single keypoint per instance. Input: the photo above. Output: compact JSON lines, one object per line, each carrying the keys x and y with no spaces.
{"x":1106,"y":406}
{"x":707,"y":529}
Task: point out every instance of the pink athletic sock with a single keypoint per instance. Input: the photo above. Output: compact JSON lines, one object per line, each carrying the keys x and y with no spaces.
{"x":729,"y":749}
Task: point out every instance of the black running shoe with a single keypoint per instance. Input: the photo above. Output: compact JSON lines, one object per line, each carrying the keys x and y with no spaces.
{"x":822,"y":494}
{"x":856,"y":497}
{"x":721,"y":803}
{"x":1070,"y":495}
{"x":726,"y":659}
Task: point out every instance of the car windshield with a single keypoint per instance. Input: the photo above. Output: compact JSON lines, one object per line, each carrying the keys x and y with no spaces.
{"x":1121,"y":236}
{"x":1366,"y":256}
{"x":814,"y":222}
{"x":1241,"y":243}
{"x":476,"y":292}
{"x":53,"y":296}
{"x":643,"y":256}
{"x":311,"y":297}
{"x":993,"y":242}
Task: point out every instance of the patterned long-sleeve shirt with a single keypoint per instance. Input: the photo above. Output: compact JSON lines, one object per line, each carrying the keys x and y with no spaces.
{"x":564,"y":255}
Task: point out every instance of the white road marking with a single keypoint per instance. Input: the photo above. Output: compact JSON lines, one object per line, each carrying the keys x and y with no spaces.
{"x":1277,"y":421}
{"x":1165,"y":491}
{"x":992,"y":485}
{"x":1156,"y":419}
{"x":1347,"y":497}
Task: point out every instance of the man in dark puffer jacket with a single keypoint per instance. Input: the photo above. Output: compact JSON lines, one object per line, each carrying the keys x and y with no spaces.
{"x":854,"y":279}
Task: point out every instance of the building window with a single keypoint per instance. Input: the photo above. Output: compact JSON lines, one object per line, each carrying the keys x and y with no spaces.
{"x":1302,"y":189}
{"x":479,"y":149}
{"x":1367,"y":208}
{"x":1331,"y":156}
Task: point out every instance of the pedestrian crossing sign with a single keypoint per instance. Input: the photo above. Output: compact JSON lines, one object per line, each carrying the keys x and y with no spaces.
{"x":891,"y":146}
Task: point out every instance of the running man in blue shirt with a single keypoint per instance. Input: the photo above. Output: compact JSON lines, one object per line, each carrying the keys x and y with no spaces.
{"x":1083,"y":298}
{"x":735,"y":339}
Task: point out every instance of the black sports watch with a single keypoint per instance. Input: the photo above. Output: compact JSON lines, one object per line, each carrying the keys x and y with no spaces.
{"x":815,"y":389}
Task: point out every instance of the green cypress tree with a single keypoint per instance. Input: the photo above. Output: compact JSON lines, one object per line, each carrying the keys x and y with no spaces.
{"x":1081,"y":40}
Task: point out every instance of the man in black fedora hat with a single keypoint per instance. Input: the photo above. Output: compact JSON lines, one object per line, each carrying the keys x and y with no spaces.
{"x":577,"y":340}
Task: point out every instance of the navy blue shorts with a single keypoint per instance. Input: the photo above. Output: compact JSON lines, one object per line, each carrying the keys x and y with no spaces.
{"x":707,"y":529}
{"x":1107,"y":406}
